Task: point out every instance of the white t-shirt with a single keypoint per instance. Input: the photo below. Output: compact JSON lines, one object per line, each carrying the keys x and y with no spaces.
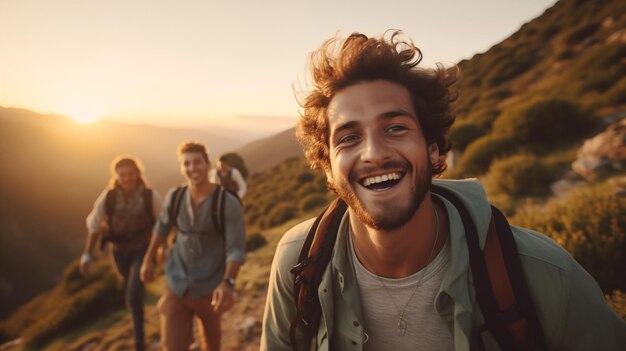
{"x":425,"y":330}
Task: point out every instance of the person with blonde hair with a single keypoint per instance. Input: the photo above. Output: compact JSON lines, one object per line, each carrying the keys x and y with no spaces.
{"x":124,"y":215}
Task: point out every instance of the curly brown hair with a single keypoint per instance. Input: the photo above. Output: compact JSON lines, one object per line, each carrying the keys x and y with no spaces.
{"x":193,"y":146}
{"x":360,"y":59}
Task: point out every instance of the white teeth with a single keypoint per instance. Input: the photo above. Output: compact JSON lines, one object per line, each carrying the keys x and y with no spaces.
{"x":379,"y":179}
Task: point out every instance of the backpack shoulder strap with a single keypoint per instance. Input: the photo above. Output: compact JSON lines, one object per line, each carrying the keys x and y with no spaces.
{"x":147,"y":203}
{"x":173,"y":207}
{"x":109,"y":203}
{"x":509,"y":285}
{"x":314,"y":256}
{"x":217,"y":209}
{"x":499,"y":283}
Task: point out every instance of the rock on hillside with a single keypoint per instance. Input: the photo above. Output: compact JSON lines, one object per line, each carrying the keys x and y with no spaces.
{"x":603,"y":154}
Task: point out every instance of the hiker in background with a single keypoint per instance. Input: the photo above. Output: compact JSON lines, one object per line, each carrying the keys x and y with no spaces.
{"x":398,"y":277}
{"x":229,"y":177}
{"x":208,"y":250}
{"x":124,"y":215}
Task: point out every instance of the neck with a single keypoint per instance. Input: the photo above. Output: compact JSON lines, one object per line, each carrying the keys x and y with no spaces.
{"x":403,"y":251}
{"x":199,"y":191}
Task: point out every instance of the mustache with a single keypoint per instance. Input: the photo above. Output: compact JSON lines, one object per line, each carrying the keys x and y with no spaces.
{"x":361,"y":172}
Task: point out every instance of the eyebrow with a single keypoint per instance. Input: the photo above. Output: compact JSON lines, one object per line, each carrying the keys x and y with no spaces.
{"x":395,"y":113}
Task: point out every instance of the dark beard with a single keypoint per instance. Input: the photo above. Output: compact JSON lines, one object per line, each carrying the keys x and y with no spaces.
{"x":394,"y":216}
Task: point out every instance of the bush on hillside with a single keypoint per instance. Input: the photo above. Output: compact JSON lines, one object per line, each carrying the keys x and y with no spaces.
{"x":505,"y":70}
{"x":545,"y":123}
{"x":599,"y":68}
{"x":578,"y":34}
{"x":68,"y":306}
{"x":312,"y":201}
{"x":617,"y":94}
{"x":279,"y":214}
{"x":255,"y":241}
{"x":617,"y":301}
{"x":464,"y":134}
{"x":479,"y":155}
{"x":591,"y":225}
{"x":519,"y":176}
{"x":305,"y":177}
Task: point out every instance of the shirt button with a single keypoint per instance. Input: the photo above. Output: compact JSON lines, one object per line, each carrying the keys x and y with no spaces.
{"x":353,"y":342}
{"x":356,"y":324}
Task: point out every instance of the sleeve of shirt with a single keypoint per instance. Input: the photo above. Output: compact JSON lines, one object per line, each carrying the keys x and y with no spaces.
{"x":241,"y":183}
{"x":589,"y":322}
{"x":280,"y":308}
{"x":157,"y":202}
{"x":235,"y":230}
{"x":97,"y":214}
{"x":164,"y":225}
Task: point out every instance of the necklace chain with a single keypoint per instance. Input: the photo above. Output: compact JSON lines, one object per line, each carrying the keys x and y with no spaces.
{"x":402,"y":324}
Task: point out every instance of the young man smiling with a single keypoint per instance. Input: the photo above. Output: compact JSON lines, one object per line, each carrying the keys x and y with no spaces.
{"x":399,"y":276}
{"x":203,"y":264}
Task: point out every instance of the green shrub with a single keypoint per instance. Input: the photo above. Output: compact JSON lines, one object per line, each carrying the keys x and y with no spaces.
{"x":74,"y":302}
{"x":479,"y":154}
{"x":580,"y":33}
{"x":519,"y":176}
{"x":617,"y":300}
{"x":255,"y":241}
{"x":305,"y":177}
{"x":599,"y":68}
{"x":545,"y":123}
{"x":591,"y":225}
{"x":463,"y":134}
{"x":280,"y":214}
{"x":312,"y":201}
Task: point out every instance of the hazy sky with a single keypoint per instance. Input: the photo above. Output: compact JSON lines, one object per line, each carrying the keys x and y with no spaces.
{"x":197,"y":63}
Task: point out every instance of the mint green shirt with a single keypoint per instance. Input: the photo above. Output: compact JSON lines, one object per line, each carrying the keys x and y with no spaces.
{"x":571,"y":307}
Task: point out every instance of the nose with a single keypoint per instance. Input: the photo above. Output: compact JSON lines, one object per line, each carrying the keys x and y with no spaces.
{"x":375,"y":150}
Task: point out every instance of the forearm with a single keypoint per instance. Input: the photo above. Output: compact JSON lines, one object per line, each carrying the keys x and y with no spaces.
{"x":92,"y":239}
{"x":232,"y":269}
{"x":156,"y":241}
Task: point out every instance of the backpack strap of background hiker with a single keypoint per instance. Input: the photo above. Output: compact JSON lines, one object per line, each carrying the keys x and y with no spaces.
{"x":217,"y":209}
{"x":314,"y":257}
{"x":174,"y":205}
{"x":147,"y":203}
{"x":109,"y":203}
{"x":501,"y":289}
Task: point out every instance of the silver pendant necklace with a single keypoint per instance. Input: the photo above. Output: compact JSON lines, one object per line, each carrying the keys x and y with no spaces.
{"x":402,"y":323}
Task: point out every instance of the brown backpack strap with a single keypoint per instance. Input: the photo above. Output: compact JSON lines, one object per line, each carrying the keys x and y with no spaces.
{"x":314,"y":257}
{"x":501,"y":282}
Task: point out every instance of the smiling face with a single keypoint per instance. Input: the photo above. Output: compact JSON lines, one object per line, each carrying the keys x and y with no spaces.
{"x":127,"y":178}
{"x":380,"y":163}
{"x":194,"y":167}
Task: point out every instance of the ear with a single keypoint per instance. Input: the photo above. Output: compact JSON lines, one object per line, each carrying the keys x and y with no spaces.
{"x":433,"y":152}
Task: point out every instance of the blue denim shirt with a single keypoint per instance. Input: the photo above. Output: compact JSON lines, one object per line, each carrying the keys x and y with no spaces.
{"x":199,"y":255}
